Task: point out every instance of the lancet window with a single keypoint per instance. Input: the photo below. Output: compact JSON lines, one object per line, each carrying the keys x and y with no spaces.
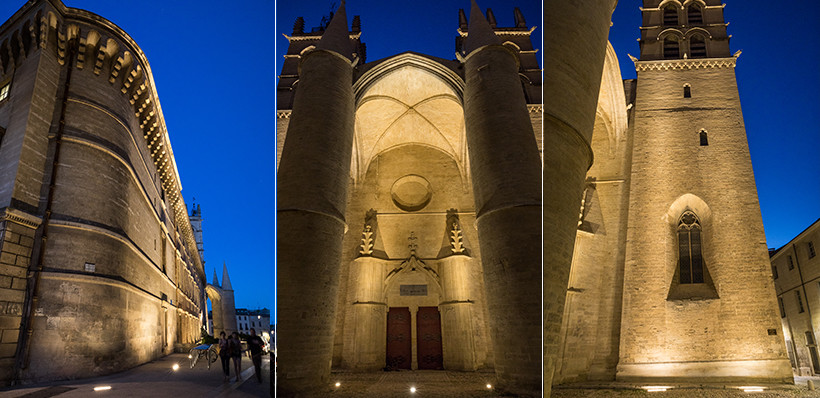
{"x":689,"y":249}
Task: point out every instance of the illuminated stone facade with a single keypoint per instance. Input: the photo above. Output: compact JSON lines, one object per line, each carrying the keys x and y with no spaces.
{"x":796,"y":269}
{"x":670,"y":279}
{"x":85,"y":161}
{"x":652,"y":270}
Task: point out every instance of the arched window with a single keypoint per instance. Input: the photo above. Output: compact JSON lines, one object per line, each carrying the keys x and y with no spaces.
{"x":694,"y":15}
{"x":697,"y":46}
{"x":670,"y":15}
{"x":671,"y":47}
{"x":689,"y":249}
{"x":704,"y":140}
{"x":687,"y":91}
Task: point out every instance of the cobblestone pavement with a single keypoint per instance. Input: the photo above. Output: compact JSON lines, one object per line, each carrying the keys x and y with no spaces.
{"x":614,"y":389}
{"x":156,"y":379}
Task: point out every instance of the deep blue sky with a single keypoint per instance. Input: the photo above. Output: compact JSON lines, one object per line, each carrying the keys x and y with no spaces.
{"x":212,"y":65}
{"x":778,"y":76}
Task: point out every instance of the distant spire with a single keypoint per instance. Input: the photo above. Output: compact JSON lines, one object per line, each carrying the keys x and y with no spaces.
{"x":299,"y":26}
{"x":336,"y":37}
{"x":226,"y":282}
{"x":519,"y":18}
{"x":479,"y":33}
{"x":462,"y":19}
{"x":491,"y":18}
{"x":215,"y":281}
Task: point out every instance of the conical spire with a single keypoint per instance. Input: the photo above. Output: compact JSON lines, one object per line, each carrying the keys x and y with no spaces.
{"x":226,"y":282}
{"x":215,"y":282}
{"x":479,"y":32}
{"x":336,"y":37}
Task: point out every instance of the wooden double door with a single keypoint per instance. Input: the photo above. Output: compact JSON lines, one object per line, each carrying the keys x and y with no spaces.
{"x":428,"y":338}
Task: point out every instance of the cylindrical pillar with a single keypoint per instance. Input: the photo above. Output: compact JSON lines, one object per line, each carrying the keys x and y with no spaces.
{"x":311,"y":193}
{"x":457,"y":340}
{"x":506,"y":174}
{"x":369,"y":314}
{"x":575,"y":45}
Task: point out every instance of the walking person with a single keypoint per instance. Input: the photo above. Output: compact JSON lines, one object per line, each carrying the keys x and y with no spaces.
{"x":236,"y":354}
{"x":225,"y":355}
{"x":255,"y":346}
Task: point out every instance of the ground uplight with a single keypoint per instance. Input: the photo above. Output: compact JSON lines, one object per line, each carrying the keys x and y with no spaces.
{"x":102,"y":388}
{"x":175,"y":367}
{"x":413,"y":390}
{"x":338,"y":384}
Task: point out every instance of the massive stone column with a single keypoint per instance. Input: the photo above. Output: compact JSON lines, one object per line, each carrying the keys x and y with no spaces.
{"x":312,"y":191}
{"x":574,"y":48}
{"x":458,"y":300}
{"x":506,"y":178}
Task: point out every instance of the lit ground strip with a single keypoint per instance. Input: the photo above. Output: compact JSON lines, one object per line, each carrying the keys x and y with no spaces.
{"x":752,"y":388}
{"x":102,"y":388}
{"x":656,"y":388}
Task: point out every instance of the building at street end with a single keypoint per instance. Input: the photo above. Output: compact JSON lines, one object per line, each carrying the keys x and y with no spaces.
{"x":796,"y":273}
{"x":99,"y":267}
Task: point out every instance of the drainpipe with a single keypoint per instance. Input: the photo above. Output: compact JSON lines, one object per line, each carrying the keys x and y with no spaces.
{"x":41,"y":235}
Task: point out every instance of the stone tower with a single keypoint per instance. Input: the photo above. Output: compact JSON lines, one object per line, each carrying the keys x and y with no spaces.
{"x":196,"y":225}
{"x":698,"y":299}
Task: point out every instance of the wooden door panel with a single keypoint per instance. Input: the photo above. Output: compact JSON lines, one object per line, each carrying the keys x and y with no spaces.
{"x":428,"y":335}
{"x":398,"y":338}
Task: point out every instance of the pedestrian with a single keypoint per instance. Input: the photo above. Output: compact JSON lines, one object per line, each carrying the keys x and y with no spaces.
{"x":225,"y":355}
{"x":255,"y":346}
{"x":236,"y":354}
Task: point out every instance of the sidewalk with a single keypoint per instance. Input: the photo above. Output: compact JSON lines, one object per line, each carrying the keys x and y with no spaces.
{"x":157,"y":379}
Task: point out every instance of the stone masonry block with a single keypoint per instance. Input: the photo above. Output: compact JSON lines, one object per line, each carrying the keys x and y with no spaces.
{"x":7,"y":350}
{"x":9,"y":322}
{"x":18,"y":284}
{"x":10,"y":336}
{"x":5,"y":282}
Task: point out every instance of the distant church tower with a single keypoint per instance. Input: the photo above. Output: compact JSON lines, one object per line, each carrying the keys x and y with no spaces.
{"x":196,"y":226}
{"x":698,"y":294}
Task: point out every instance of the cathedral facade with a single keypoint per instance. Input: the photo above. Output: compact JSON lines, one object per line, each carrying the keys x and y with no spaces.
{"x":99,"y":266}
{"x":409,"y":248}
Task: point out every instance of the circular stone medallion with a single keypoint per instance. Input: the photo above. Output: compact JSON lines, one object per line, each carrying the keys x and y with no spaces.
{"x":411,"y":192}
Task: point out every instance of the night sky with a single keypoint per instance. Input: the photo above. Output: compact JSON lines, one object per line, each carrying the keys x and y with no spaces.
{"x":212,"y":66}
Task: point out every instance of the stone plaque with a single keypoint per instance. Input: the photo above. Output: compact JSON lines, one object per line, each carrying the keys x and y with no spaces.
{"x":412,"y":290}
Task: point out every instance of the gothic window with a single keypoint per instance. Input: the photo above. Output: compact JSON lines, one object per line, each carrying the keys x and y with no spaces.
{"x":687,"y":91}
{"x":671,"y":47}
{"x":704,"y":139}
{"x":697,"y":46}
{"x":799,"y":301}
{"x":694,"y":15}
{"x":689,"y":249}
{"x":670,"y":15}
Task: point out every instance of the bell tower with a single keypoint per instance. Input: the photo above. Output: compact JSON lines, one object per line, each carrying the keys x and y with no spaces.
{"x":698,"y":294}
{"x":683,"y":30}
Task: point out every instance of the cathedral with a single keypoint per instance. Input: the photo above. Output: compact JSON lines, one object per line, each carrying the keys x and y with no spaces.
{"x":412,"y":192}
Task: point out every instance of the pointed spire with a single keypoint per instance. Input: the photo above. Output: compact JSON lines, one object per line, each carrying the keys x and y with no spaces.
{"x":226,"y":282}
{"x":491,"y":18}
{"x":519,"y":18}
{"x":215,"y":282}
{"x":462,"y":19}
{"x":336,"y":37}
{"x":479,"y":33}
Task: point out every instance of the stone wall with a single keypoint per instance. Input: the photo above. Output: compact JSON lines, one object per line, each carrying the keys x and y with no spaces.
{"x":696,"y":335}
{"x":86,"y":162}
